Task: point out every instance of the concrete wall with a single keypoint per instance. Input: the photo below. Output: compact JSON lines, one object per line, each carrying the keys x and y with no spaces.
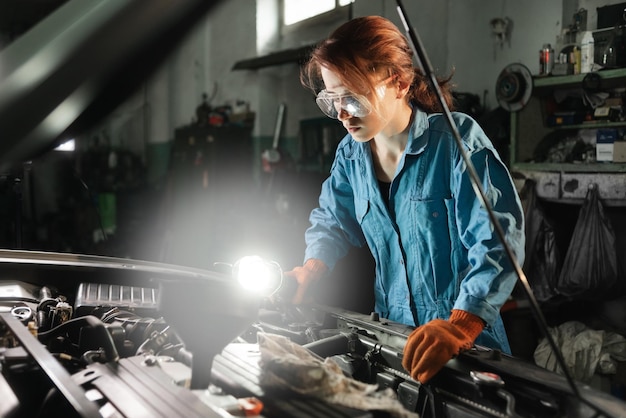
{"x":479,"y":57}
{"x":457,"y":36}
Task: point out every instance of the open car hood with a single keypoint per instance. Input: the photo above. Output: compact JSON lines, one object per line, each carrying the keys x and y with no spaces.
{"x":73,"y":68}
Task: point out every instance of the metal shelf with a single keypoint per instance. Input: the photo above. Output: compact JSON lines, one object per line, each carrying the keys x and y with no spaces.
{"x":563,"y":81}
{"x":528,"y":125}
{"x":591,"y":125}
{"x":565,"y":182}
{"x":572,"y":167}
{"x":287,"y":56}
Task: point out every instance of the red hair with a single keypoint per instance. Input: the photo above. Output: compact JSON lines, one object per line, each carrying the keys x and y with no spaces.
{"x":366,"y":50}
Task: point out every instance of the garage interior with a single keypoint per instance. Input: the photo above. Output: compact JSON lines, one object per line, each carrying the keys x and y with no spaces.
{"x":179,"y":171}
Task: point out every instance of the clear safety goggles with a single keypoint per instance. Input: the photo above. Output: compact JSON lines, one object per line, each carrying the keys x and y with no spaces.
{"x":333,"y":103}
{"x":356,"y":105}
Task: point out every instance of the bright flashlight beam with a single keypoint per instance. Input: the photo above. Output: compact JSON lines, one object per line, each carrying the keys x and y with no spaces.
{"x":257,"y":275}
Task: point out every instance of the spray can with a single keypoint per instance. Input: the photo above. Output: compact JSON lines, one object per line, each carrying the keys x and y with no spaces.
{"x":586,"y":52}
{"x":546,"y":59}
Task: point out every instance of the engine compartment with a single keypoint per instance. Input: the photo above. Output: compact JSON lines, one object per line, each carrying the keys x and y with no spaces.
{"x":100,"y":324}
{"x":109,"y":350}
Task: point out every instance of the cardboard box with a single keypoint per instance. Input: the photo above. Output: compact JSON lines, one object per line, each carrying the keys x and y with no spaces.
{"x":619,"y":152}
{"x":604,"y":152}
{"x":605,"y":140}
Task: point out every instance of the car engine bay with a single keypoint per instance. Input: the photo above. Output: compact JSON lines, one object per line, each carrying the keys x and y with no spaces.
{"x":80,"y":343}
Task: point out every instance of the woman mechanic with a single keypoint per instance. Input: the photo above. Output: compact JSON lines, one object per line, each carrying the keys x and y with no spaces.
{"x":398,"y":184}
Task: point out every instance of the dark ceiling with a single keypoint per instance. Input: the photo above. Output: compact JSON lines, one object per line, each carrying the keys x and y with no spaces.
{"x":17,"y":16}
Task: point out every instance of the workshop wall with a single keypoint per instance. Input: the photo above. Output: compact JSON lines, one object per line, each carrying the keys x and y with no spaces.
{"x":477,"y":52}
{"x":457,"y":34}
{"x":235,"y":30}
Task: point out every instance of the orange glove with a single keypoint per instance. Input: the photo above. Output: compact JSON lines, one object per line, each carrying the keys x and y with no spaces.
{"x":312,"y":270}
{"x":430,"y":346}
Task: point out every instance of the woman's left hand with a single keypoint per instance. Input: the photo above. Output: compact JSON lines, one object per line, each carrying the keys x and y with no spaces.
{"x":430,"y":346}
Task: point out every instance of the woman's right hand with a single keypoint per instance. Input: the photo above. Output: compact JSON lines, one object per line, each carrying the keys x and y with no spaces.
{"x":305,"y":275}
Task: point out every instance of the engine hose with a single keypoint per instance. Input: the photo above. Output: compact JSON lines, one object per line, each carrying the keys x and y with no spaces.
{"x":137,"y":328}
{"x":92,"y":335}
{"x":91,"y":356}
{"x":329,"y":346}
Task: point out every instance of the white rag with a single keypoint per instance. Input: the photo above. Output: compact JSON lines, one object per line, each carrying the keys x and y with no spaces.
{"x":287,"y":365}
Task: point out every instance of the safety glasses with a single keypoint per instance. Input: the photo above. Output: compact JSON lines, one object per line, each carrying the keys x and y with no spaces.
{"x":356,"y":105}
{"x":332,"y":104}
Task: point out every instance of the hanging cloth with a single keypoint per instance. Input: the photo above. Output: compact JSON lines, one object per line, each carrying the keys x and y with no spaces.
{"x":542,"y":262}
{"x":590,"y":268}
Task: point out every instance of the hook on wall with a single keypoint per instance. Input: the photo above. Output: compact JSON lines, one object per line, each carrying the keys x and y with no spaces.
{"x":501,"y":28}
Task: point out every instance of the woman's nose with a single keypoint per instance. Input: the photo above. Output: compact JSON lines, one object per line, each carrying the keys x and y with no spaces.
{"x":343,"y":114}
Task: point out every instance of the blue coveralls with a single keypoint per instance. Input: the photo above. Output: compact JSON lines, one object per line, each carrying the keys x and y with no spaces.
{"x":434,"y":245}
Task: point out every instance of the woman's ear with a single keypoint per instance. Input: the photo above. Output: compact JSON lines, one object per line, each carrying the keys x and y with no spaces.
{"x":403,"y":89}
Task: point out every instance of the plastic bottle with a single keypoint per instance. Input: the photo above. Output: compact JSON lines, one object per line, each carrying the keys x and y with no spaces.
{"x":586,"y":52}
{"x":576,"y":60}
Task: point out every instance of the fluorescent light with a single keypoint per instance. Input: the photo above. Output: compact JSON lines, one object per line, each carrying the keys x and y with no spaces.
{"x":69,"y":145}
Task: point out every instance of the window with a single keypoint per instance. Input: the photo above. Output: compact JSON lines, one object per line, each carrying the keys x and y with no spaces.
{"x":297,"y":10}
